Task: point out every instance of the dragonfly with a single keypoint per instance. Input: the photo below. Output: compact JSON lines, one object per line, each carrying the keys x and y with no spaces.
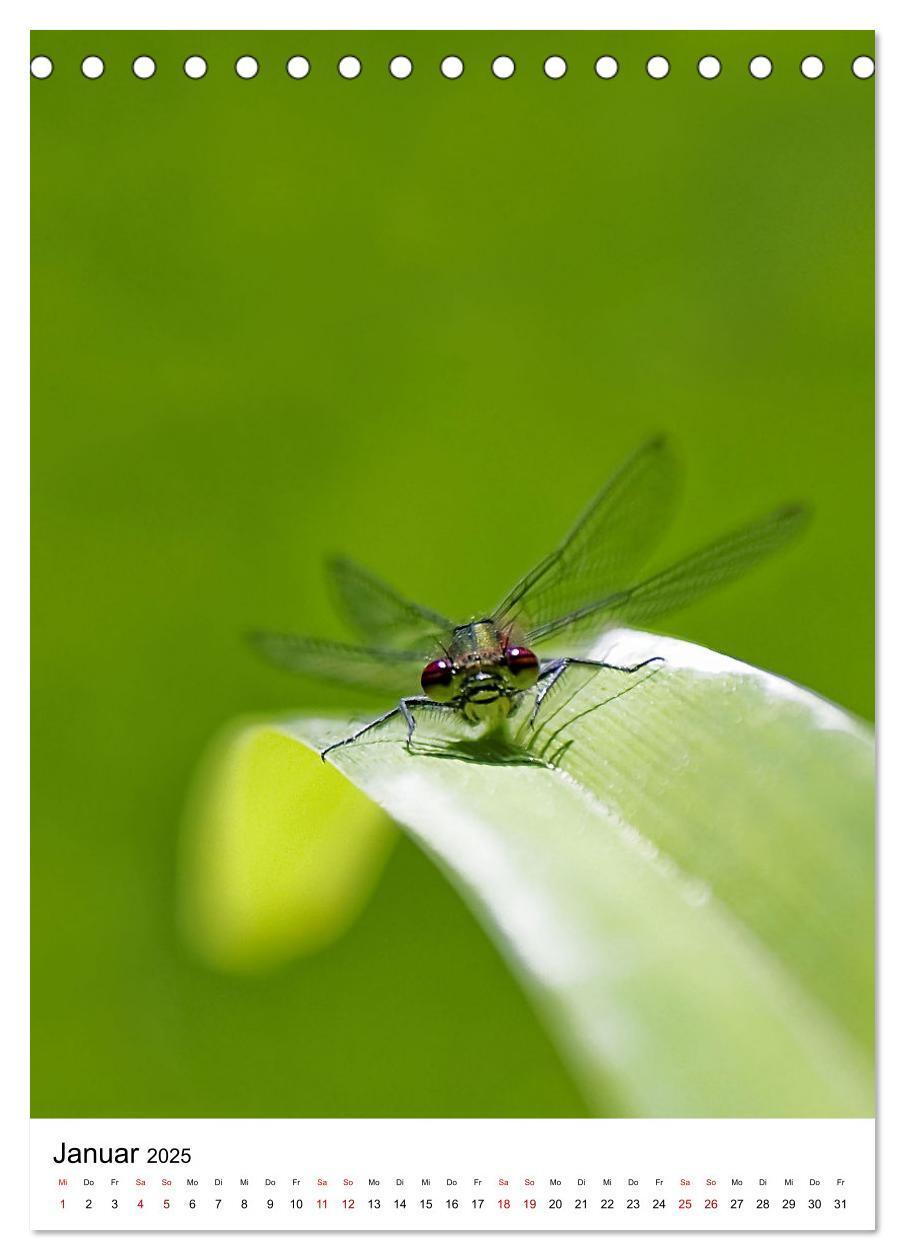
{"x":483,"y":669}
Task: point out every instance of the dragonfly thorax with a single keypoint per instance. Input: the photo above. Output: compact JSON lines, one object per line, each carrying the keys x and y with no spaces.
{"x":475,"y":642}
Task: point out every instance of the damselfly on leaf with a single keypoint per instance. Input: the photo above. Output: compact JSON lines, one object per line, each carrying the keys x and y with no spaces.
{"x":482,"y":669}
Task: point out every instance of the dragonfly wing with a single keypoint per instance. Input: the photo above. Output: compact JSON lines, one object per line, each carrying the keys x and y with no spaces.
{"x":380,"y":615}
{"x":607,"y":546}
{"x":688,"y":580}
{"x":377,"y":669}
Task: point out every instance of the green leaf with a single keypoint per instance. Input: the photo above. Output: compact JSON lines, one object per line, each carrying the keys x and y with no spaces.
{"x":678,"y":863}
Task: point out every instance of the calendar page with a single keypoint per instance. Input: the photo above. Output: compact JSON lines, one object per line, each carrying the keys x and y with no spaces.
{"x":452,"y":630}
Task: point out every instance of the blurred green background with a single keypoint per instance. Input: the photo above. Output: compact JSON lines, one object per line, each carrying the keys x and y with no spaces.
{"x":419,"y":322}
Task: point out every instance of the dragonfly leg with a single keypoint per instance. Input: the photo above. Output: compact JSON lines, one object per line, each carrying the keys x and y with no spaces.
{"x":404,"y":707}
{"x":552,"y":671}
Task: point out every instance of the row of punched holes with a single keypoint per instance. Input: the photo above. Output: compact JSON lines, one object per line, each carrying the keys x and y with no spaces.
{"x":453,"y":67}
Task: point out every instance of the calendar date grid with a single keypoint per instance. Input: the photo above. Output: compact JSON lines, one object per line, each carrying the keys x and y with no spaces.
{"x":315,"y":1195}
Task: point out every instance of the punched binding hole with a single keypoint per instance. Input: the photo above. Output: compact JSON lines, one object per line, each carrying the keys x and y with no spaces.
{"x":812,"y":67}
{"x":41,"y":67}
{"x":349,"y":67}
{"x":555,"y":67}
{"x":709,"y":67}
{"x":606,"y":67}
{"x":760,"y":67}
{"x":246,"y":67}
{"x":144,"y":67}
{"x":195,"y":67}
{"x":503,"y":67}
{"x":92,"y":67}
{"x":452,"y":67}
{"x":863,"y":67}
{"x":657,"y":67}
{"x":297,"y":67}
{"x":401,"y":67}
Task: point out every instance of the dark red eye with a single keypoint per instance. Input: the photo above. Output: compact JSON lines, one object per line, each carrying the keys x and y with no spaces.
{"x":437,"y":679}
{"x":522,"y":665}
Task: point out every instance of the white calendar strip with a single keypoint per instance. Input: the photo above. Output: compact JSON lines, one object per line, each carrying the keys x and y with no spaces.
{"x":452,"y":1174}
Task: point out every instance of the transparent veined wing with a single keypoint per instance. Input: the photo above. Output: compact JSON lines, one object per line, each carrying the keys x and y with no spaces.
{"x":377,"y":669}
{"x":683,"y":582}
{"x":382,"y":616}
{"x":607,"y":546}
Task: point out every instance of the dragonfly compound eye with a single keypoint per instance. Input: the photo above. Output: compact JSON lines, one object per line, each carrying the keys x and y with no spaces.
{"x":438,"y":680}
{"x":522,"y":665}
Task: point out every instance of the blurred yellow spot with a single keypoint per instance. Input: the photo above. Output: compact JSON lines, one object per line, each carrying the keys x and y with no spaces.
{"x":280,"y":852}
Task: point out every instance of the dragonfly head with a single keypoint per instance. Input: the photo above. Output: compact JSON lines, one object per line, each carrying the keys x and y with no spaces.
{"x":499,"y":669}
